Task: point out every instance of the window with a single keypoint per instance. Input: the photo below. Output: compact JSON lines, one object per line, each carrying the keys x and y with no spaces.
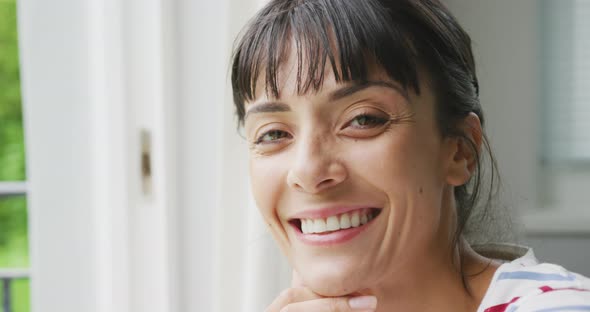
{"x":565,"y":97}
{"x":14,"y":256}
{"x":519,"y":47}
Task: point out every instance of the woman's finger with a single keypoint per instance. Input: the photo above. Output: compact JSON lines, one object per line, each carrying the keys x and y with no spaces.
{"x":336,"y":304}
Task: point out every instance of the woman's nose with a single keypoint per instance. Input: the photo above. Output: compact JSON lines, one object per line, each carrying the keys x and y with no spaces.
{"x":315,"y":168}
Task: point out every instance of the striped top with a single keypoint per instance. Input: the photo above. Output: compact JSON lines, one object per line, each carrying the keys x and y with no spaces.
{"x":525,"y":285}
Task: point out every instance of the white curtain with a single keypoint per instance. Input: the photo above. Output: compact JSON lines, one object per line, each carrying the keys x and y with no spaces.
{"x":232,"y":250}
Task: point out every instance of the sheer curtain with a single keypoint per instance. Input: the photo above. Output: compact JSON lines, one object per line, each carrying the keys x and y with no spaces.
{"x":233,"y":249}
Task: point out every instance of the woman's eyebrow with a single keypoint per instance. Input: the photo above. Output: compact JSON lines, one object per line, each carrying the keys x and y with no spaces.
{"x":268,"y":107}
{"x":357,"y":87}
{"x":348,"y":90}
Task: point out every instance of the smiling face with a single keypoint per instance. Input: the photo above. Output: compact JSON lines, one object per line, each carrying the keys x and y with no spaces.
{"x":354,"y":181}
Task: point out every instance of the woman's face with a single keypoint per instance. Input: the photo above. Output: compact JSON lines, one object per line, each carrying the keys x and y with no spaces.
{"x":354,"y":181}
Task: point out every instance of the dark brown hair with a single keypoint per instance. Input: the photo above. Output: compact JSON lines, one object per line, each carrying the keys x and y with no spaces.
{"x":401,"y":36}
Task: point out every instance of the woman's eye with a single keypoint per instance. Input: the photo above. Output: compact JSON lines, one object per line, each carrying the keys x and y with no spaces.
{"x":367,"y":121}
{"x":271,"y":136}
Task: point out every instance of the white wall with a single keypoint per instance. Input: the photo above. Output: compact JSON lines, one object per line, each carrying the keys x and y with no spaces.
{"x":504,"y":39}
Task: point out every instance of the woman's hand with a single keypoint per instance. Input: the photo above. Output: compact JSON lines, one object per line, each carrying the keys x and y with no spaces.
{"x":302,"y":299}
{"x":299,"y":298}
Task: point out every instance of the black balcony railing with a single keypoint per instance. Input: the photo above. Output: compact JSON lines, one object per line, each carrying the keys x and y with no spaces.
{"x":7,"y":276}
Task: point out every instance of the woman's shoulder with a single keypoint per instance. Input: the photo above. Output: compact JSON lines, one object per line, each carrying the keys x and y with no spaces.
{"x":524,"y":284}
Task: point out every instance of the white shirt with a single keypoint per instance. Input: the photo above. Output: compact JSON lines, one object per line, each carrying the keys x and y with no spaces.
{"x":525,"y":285}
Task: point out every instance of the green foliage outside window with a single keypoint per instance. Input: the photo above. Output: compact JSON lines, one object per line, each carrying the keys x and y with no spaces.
{"x":13,"y":212}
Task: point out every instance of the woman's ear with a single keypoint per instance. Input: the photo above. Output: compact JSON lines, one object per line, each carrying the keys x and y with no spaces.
{"x":465,"y":150}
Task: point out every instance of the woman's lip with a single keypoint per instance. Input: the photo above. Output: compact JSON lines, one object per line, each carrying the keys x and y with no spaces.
{"x":331,"y":238}
{"x":323,"y":213}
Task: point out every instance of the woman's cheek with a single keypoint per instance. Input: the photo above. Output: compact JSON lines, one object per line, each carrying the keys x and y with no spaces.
{"x":266,"y":186}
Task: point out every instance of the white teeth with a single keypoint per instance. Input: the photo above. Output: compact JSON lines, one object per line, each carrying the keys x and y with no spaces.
{"x":319,"y":225}
{"x":345,"y":221}
{"x":364,"y":218}
{"x":332,"y":223}
{"x":308,"y":225}
{"x":355,"y":220}
{"x":335,"y":223}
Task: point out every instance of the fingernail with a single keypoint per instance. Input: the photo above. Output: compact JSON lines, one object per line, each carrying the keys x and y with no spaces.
{"x":364,"y":302}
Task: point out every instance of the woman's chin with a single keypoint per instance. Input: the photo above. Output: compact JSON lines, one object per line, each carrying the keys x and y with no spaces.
{"x":331,"y":283}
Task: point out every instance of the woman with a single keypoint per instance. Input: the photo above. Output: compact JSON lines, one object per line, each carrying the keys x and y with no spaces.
{"x":366,"y":136}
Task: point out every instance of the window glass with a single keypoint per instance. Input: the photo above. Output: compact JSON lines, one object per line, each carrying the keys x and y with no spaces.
{"x":565,"y":102}
{"x":14,"y":255}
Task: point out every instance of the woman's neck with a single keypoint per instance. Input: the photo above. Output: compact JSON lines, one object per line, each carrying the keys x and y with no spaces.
{"x":438,"y":285}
